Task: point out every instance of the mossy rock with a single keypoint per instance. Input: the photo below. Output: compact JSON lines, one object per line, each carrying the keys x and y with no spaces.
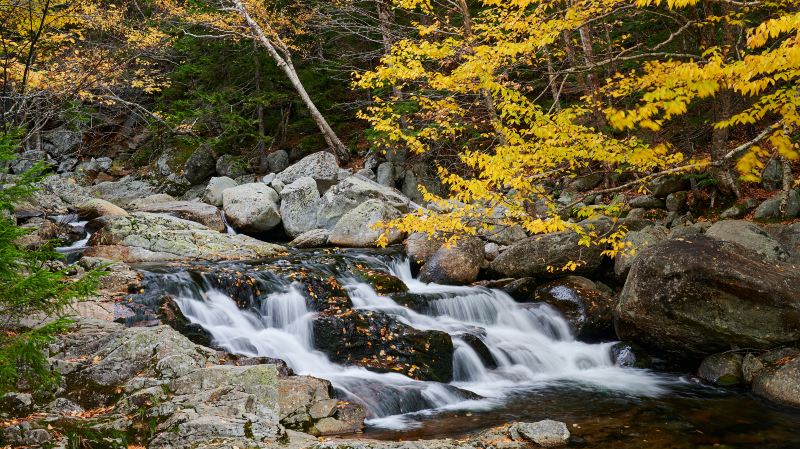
{"x":383,"y":283}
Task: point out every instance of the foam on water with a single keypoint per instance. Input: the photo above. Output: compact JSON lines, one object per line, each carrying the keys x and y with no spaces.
{"x":532,"y":346}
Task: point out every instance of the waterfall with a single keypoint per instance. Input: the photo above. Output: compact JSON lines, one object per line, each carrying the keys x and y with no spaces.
{"x":530,"y":347}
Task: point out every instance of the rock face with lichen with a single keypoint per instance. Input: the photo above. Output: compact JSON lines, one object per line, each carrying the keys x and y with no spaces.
{"x":147,"y":237}
{"x":152,"y":386}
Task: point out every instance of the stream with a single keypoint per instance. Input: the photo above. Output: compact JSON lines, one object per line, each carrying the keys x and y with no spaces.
{"x":536,"y":370}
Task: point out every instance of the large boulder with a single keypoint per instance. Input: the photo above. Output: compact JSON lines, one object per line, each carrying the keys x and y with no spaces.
{"x":125,"y":190}
{"x":311,"y":239}
{"x":278,"y":161}
{"x":779,"y":379}
{"x":200,"y":166}
{"x":299,"y":202}
{"x":320,"y":166}
{"x":637,"y":240}
{"x":420,"y":247}
{"x":357,"y":228}
{"x":352,"y":192}
{"x":97,"y":207}
{"x":724,"y":369}
{"x":457,"y":264}
{"x":146,"y":237}
{"x":379,"y":342}
{"x":251,"y":207}
{"x":231,"y":166}
{"x":540,"y":255}
{"x":788,"y":235}
{"x":771,"y":208}
{"x":693,"y":298}
{"x":202,"y":213}
{"x":213,"y":191}
{"x":661,"y":187}
{"x":587,"y":308}
{"x":750,"y":236}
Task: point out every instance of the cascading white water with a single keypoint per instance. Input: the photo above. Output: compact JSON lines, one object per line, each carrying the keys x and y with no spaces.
{"x":532,"y":346}
{"x":78,"y":244}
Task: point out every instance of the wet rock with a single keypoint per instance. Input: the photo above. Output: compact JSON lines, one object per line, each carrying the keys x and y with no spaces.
{"x":457,"y":264}
{"x":629,"y":355}
{"x":232,"y":166}
{"x":196,"y":211}
{"x":213,"y":192}
{"x":694,"y":298}
{"x":647,"y":202}
{"x":771,"y":208}
{"x":200,"y":166}
{"x":724,"y":369}
{"x":351,"y":193}
{"x":320,"y":166}
{"x":251,"y":207}
{"x":299,"y":203}
{"x":378,"y":342}
{"x":311,"y":239}
{"x":751,"y":366}
{"x":750,"y":236}
{"x":383,"y":283}
{"x":585,"y":307}
{"x":547,"y":433}
{"x":278,"y":161}
{"x":358,"y":227}
{"x":143,"y":237}
{"x":474,"y":341}
{"x":638,"y":240}
{"x":779,"y":381}
{"x":522,"y":289}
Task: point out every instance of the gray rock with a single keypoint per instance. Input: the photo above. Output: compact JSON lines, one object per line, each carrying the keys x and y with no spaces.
{"x":251,"y":207}
{"x":278,"y":161}
{"x":547,"y":433}
{"x":96,"y":165}
{"x":748,"y":235}
{"x":638,"y":241}
{"x":538,"y":255}
{"x":587,"y":309}
{"x":788,"y":235}
{"x":367,"y":173}
{"x":694,"y":298}
{"x":780,"y":381}
{"x":586,"y":182}
{"x":232,"y":166}
{"x":385,"y":174}
{"x":150,"y":200}
{"x":200,"y":166}
{"x":323,"y":409}
{"x":61,"y":142}
{"x":213,"y":191}
{"x":771,"y":208}
{"x":356,"y":228}
{"x":299,"y":203}
{"x":739,"y":210}
{"x":723,"y":369}
{"x":67,"y":165}
{"x":321,"y":166}
{"x":268,"y":178}
{"x":16,"y":405}
{"x":676,"y":201}
{"x":647,"y":202}
{"x":311,"y":239}
{"x":125,"y":190}
{"x":202,"y":213}
{"x":420,"y":247}
{"x":167,"y":176}
{"x":146,"y":237}
{"x":277,"y":185}
{"x":751,"y":366}
{"x":491,"y":250}
{"x":352,"y":192}
{"x":772,"y":175}
{"x":662,"y":187}
{"x":27,"y":160}
{"x":456,"y":264}
{"x":344,"y":173}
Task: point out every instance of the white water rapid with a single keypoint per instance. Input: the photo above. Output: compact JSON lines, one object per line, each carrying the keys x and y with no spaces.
{"x":532,"y":346}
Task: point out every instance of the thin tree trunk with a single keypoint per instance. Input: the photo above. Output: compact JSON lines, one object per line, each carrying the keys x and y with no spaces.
{"x":285,"y":64}
{"x":262,"y":146}
{"x":551,"y":79}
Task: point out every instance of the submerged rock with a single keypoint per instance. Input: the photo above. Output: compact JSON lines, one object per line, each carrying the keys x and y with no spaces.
{"x":378,"y":342}
{"x":724,"y":369}
{"x":693,"y":298}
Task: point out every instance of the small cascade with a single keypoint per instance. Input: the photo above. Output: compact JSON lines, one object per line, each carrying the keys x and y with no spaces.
{"x":78,"y":244}
{"x":499,"y":346}
{"x":228,"y":228}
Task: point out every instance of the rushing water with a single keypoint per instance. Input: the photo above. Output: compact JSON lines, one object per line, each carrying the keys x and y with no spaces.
{"x":532,"y":346}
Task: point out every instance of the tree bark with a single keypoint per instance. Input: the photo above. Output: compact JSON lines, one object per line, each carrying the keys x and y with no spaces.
{"x":285,"y":64}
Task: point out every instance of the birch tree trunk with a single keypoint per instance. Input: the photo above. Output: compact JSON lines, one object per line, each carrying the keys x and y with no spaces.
{"x":284,"y":62}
